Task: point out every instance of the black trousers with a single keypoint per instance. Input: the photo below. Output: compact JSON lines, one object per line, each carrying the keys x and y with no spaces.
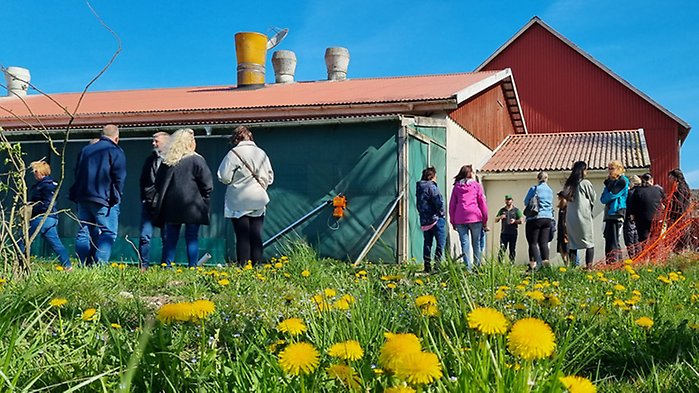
{"x":508,"y":240}
{"x":612,"y":248}
{"x":248,"y":239}
{"x":538,"y":233}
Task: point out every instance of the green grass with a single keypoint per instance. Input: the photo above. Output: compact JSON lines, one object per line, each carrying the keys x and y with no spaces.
{"x":44,"y":348}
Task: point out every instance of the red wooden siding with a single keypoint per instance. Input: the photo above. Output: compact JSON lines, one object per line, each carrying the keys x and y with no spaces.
{"x":486,"y":117}
{"x":561,"y":90}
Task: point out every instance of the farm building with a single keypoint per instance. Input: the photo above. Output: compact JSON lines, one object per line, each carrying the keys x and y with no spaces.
{"x":564,"y":89}
{"x":366,"y":138}
{"x":514,"y":165}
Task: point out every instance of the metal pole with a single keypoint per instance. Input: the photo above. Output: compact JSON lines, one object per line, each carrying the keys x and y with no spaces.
{"x":295,"y":223}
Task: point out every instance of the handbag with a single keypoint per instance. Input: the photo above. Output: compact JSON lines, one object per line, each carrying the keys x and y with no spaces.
{"x":532,"y":208}
{"x":254,"y":175}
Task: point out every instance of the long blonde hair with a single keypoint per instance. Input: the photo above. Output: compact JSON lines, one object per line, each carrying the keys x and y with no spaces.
{"x":181,"y":145}
{"x":617,"y":168}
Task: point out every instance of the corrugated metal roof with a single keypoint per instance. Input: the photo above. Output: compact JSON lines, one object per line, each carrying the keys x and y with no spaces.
{"x":559,"y":151}
{"x":300,"y":94}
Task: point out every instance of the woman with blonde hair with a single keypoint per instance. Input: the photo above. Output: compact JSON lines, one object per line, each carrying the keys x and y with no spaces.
{"x":183,"y":188}
{"x":247,"y":172}
{"x":614,"y":195}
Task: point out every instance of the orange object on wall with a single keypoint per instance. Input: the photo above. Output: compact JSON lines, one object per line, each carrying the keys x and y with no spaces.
{"x":339,"y":204}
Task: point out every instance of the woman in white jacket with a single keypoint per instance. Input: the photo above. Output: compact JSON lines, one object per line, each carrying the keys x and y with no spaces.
{"x":247,"y":172}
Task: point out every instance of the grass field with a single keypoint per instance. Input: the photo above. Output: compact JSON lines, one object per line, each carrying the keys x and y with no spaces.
{"x":300,"y":324}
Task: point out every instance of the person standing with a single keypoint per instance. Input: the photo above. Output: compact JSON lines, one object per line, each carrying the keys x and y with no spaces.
{"x":468,"y":214}
{"x":430,"y":207}
{"x":680,"y":198}
{"x":538,"y":226}
{"x":511,"y":217}
{"x":247,"y":172}
{"x":100,"y":173}
{"x":614,"y":195}
{"x":562,"y":236}
{"x":147,"y":188}
{"x":644,"y":205}
{"x":41,"y":195}
{"x":581,"y":196}
{"x":630,"y":228}
{"x":183,"y":187}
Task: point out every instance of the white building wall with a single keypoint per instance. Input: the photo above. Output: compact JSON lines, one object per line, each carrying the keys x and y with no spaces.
{"x":517,"y":185}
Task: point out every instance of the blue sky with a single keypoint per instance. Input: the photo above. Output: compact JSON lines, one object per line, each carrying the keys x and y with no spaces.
{"x":653,"y":45}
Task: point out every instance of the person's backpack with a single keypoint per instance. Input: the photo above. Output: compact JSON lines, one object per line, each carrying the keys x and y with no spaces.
{"x":532,"y":208}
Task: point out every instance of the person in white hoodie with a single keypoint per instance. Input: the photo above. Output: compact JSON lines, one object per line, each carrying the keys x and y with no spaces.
{"x":247,"y":172}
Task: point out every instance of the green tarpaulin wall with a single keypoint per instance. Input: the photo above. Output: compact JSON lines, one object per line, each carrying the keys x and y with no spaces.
{"x":312,"y":163}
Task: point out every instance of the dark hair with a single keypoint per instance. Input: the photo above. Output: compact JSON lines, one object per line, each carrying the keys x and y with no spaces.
{"x":429,"y":173}
{"x":682,"y":186}
{"x":576,"y":176}
{"x":646,"y":179}
{"x":466,"y":172}
{"x":241,"y":133}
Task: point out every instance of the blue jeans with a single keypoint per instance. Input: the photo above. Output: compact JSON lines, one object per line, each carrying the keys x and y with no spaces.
{"x":470,"y":238}
{"x":147,"y":235}
{"x":98,"y":232}
{"x":172,"y":235}
{"x":438,"y":232}
{"x":50,"y":233}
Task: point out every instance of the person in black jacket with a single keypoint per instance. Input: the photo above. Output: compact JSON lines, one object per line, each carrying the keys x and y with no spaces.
{"x":100,"y":173}
{"x":183,"y":187}
{"x":644,"y":205}
{"x":430,"y":206}
{"x":147,"y":187}
{"x":41,"y":195}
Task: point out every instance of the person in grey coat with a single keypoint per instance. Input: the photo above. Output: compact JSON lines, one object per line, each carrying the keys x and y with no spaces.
{"x":581,"y":198}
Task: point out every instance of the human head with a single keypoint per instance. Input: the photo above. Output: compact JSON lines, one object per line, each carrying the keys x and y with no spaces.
{"x":677,"y":175}
{"x":579,"y":170}
{"x":160,"y":140}
{"x":112,"y":132}
{"x":182,"y":144}
{"x":635,"y":181}
{"x":508,"y":200}
{"x":466,"y":172}
{"x":241,"y":133}
{"x":41,"y":169}
{"x":542,"y":177}
{"x":615,"y":169}
{"x":429,"y":173}
{"x":647,"y":179}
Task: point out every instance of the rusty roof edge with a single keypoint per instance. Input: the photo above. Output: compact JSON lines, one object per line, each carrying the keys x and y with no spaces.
{"x":485,"y":160}
{"x":537,"y":20}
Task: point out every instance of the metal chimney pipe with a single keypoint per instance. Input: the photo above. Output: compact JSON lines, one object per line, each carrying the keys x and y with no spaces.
{"x":284,"y":63}
{"x":336,"y":61}
{"x":17,"y":81}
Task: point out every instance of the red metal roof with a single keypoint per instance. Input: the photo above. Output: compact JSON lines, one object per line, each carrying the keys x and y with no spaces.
{"x":559,"y":151}
{"x":324,"y":94}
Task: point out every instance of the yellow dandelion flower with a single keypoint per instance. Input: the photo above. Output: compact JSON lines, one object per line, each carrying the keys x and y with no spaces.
{"x":619,"y":288}
{"x":305,"y":273}
{"x":562,"y":269}
{"x":663,"y":278}
{"x":400,"y":389}
{"x":293,"y":326}
{"x":324,"y":306}
{"x":59,"y":268}
{"x":694,"y":298}
{"x":525,"y":282}
{"x":425,"y":300}
{"x":673,"y":276}
{"x":347,"y":350}
{"x":267,"y":266}
{"x":89,"y":314}
{"x":278,"y":265}
{"x":575,"y":384}
{"x":538,"y":286}
{"x":556,"y":284}
{"x":419,"y":368}
{"x":536,"y":295}
{"x":173,"y":312}
{"x":644,"y":322}
{"x":346,"y":375}
{"x":223,"y":282}
{"x":419,"y":282}
{"x":635,"y":276}
{"x":348,"y":298}
{"x":391,"y":285}
{"x":429,"y":310}
{"x":299,"y":358}
{"x":114,"y":264}
{"x":201,"y":309}
{"x":341,"y":304}
{"x":58,"y":302}
{"x":317,"y":298}
{"x":116,"y":326}
{"x":329,"y":292}
{"x":397,"y":347}
{"x":487,"y":321}
{"x":499,"y":295}
{"x":609,"y":293}
{"x":553,"y":300}
{"x":531,"y":339}
{"x":589,"y":277}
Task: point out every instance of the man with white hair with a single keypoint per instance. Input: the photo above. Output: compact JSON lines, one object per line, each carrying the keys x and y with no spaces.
{"x":147,"y":186}
{"x":100,"y":173}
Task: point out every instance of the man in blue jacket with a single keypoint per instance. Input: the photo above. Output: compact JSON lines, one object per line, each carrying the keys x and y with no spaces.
{"x":99,"y":183}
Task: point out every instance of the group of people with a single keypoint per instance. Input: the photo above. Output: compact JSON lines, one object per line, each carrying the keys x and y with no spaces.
{"x":175,"y":190}
{"x":630,"y":208}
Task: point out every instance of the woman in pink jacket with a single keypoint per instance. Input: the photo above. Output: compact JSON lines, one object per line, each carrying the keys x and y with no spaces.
{"x":468,"y":214}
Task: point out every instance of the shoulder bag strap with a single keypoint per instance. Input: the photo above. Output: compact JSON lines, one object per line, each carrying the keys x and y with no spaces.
{"x":252,"y":172}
